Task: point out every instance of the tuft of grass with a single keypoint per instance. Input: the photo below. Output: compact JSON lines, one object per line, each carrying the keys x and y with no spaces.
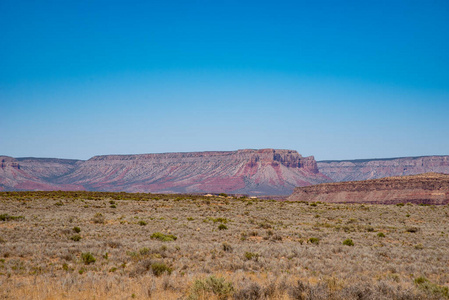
{"x":98,"y":218}
{"x":142,"y":223}
{"x":222,"y":227}
{"x":88,"y":258}
{"x":314,"y":240}
{"x":75,"y":238}
{"x":159,"y":268}
{"x":6,"y":217}
{"x":163,"y":237}
{"x":251,"y":256}
{"x":348,"y":242}
{"x":432,"y":288}
{"x":206,"y":288}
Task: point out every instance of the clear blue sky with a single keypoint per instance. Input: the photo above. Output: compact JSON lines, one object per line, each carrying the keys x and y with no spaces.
{"x":333,"y":79}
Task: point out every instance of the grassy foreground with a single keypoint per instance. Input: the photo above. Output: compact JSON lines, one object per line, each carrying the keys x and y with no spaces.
{"x":85,"y":245}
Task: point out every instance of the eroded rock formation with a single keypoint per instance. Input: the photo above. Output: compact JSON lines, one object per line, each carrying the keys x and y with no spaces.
{"x":429,"y":188}
{"x":362,"y":169}
{"x":257,"y":172}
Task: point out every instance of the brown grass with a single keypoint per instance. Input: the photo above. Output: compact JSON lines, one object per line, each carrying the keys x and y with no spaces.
{"x":39,"y":259}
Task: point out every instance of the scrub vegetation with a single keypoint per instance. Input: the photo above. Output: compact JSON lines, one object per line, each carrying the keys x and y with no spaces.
{"x":75,"y":245}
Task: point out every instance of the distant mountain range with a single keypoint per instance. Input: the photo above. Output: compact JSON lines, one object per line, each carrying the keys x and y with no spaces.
{"x":254,"y":172}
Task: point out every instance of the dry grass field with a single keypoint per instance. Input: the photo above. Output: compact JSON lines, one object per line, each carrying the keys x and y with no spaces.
{"x":84,"y":245}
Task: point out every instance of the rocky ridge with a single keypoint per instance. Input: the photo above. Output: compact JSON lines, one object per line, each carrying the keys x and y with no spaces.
{"x":363,"y":169}
{"x":428,"y":188}
{"x":258,"y":172}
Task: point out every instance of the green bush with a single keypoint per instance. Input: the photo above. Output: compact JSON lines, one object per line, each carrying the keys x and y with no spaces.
{"x":432,"y":288}
{"x":381,"y":234}
{"x":163,"y":237}
{"x":77,"y":229}
{"x":159,"y":268}
{"x":98,"y":218}
{"x":348,"y":242}
{"x":222,"y":227}
{"x":251,"y":255}
{"x":314,"y":240}
{"x":6,"y":217}
{"x":88,"y":258}
{"x":142,"y":223}
{"x":218,"y":286}
{"x":75,"y":237}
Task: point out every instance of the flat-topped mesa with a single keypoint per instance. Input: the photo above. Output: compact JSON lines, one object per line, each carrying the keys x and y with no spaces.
{"x":288,"y":158}
{"x":428,"y":188}
{"x":248,"y":171}
{"x":263,"y":172}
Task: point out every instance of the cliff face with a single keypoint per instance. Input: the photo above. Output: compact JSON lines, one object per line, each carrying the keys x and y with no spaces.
{"x":429,"y":188}
{"x":266,"y":171}
{"x":34,"y":173}
{"x":349,"y":170}
{"x":263,"y":172}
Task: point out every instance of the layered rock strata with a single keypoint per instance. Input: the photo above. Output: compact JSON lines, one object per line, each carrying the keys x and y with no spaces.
{"x":363,"y":169}
{"x":429,"y":188}
{"x":256,"y":172}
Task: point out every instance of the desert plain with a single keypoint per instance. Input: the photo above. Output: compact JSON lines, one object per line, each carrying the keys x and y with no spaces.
{"x":99,"y":245}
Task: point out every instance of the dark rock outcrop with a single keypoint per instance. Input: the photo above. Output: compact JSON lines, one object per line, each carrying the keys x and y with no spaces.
{"x":429,"y":188}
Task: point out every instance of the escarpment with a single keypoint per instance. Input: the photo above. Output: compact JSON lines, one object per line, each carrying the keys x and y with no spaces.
{"x":248,"y":171}
{"x":428,"y":188}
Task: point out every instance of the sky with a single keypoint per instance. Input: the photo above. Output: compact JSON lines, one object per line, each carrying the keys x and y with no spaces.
{"x":333,"y":79}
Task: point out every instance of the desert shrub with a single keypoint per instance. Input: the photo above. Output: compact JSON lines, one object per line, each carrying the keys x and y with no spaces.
{"x":113,"y":244}
{"x":251,"y":255}
{"x":252,"y":291}
{"x":348,"y":242}
{"x":6,"y":217}
{"x":277,"y":238}
{"x":144,"y":251}
{"x":217,"y":286}
{"x":75,"y":238}
{"x":313,"y":204}
{"x":431,"y":288}
{"x":142,"y":223}
{"x":222,"y":227}
{"x":76,"y":229}
{"x":419,"y":246}
{"x":300,"y":291}
{"x":412,"y":229}
{"x":369,"y":228}
{"x":226,"y":247}
{"x":88,"y":258}
{"x":221,"y":220}
{"x":159,"y":268}
{"x":314,"y":240}
{"x":381,"y":234}
{"x":163,"y":237}
{"x":98,"y":218}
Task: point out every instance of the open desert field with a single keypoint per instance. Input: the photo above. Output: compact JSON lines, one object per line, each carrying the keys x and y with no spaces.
{"x":89,"y":245}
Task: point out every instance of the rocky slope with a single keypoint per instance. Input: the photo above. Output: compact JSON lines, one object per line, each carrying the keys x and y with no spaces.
{"x":257,"y":172}
{"x":35,"y":173}
{"x":362,"y":169}
{"x":429,"y":188}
